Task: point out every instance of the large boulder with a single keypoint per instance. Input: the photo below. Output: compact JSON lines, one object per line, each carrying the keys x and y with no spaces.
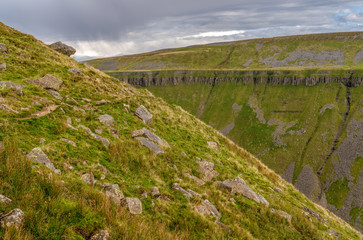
{"x":4,"y":200}
{"x":3,"y":47}
{"x":208,"y":208}
{"x":37,"y":155}
{"x":134,"y":205}
{"x":144,"y":114}
{"x":63,"y":48}
{"x":17,"y":87}
{"x":239,"y":186}
{"x":101,"y":235}
{"x":107,"y":120}
{"x":14,"y":217}
{"x":48,"y":82}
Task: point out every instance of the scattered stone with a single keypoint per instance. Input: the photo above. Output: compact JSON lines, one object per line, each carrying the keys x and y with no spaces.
{"x":55,"y":94}
{"x":133,"y":204}
{"x":208,"y":208}
{"x":85,"y":163}
{"x":104,"y":169}
{"x":99,"y":131}
{"x":137,"y":133}
{"x":7,"y":108}
{"x":207,"y":169}
{"x":144,"y":114}
{"x":75,"y":108}
{"x":223,"y":226}
{"x":3,"y":47}
{"x":213,"y":145}
{"x":14,"y":217}
{"x":144,"y":194}
{"x":155,"y":192}
{"x":95,"y":136}
{"x":184,"y":154}
{"x":63,"y":48}
{"x":2,"y":66}
{"x":88,"y":178}
{"x":177,"y":187}
{"x":103,"y":177}
{"x":37,"y":155}
{"x":101,"y":235}
{"x":68,"y":141}
{"x":150,"y":145}
{"x":150,"y":135}
{"x":194,"y":194}
{"x":279,"y":190}
{"x":199,"y":181}
{"x":238,"y":185}
{"x":333,"y":233}
{"x":17,"y":87}
{"x":75,"y":71}
{"x":313,"y":214}
{"x":152,"y":204}
{"x":107,"y":120}
{"x":68,"y":166}
{"x":282,"y":214}
{"x":42,"y":140}
{"x":48,"y":82}
{"x":4,"y":200}
{"x":113,"y":191}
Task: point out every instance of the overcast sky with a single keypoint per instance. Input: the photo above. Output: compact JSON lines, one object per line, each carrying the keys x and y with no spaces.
{"x":102,"y":28}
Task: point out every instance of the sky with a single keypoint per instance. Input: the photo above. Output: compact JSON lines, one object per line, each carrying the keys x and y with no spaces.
{"x":104,"y":28}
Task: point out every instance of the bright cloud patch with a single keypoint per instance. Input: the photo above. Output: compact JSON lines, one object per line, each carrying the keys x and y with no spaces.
{"x":216,"y":34}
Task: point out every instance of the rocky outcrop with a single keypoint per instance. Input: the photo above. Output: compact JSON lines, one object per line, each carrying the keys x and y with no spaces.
{"x":48,"y":82}
{"x":14,"y":217}
{"x":239,"y":186}
{"x":88,"y":178}
{"x":37,"y":155}
{"x":277,"y":77}
{"x":63,"y":48}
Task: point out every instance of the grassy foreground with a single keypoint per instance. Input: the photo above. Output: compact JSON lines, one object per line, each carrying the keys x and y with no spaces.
{"x":65,"y":207}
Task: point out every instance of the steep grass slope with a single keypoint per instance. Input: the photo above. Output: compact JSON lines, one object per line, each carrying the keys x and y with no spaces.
{"x":323,"y":51}
{"x":64,"y":206}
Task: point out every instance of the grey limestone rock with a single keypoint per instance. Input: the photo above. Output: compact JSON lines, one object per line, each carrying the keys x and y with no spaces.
{"x":88,"y":178}
{"x":107,"y":120}
{"x":2,"y":66}
{"x":177,"y":187}
{"x":113,"y":191}
{"x":48,"y":82}
{"x":105,"y":141}
{"x":68,"y":141}
{"x":55,"y":94}
{"x":14,"y":217}
{"x":199,"y":181}
{"x":17,"y":87}
{"x":207,"y":207}
{"x":37,"y":155}
{"x":155,"y":191}
{"x":101,"y":235}
{"x":207,"y":169}
{"x":75,"y":71}
{"x":213,"y":145}
{"x":3,"y":47}
{"x":282,"y":214}
{"x":63,"y":48}
{"x":134,"y":205}
{"x":150,"y":145}
{"x":144,"y":114}
{"x":4,"y":200}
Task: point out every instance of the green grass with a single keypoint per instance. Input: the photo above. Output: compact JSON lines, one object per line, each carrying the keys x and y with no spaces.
{"x":337,"y":192}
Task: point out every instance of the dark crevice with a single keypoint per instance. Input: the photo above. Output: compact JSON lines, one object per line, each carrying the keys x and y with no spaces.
{"x":201,"y":110}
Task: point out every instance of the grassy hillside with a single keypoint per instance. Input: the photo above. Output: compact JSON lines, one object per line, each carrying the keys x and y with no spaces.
{"x":323,"y":51}
{"x":64,"y":206}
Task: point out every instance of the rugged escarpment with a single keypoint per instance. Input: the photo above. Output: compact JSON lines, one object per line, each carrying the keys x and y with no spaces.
{"x":287,"y":77}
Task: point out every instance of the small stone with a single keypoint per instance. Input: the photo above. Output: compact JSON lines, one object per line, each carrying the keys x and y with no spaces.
{"x":232,"y":200}
{"x":208,"y":208}
{"x":55,"y":94}
{"x":152,"y":204}
{"x":184,"y":154}
{"x":75,"y":71}
{"x":312,"y":213}
{"x":68,"y":141}
{"x":113,"y":191}
{"x":155,"y":192}
{"x":101,"y":235}
{"x":104,"y":169}
{"x":99,"y":131}
{"x":177,"y":187}
{"x":282,"y":214}
{"x":333,"y":233}
{"x":4,"y":200}
{"x":3,"y":47}
{"x":194,"y":194}
{"x":107,"y":120}
{"x":88,"y":178}
{"x":63,"y":48}
{"x":37,"y":155}
{"x":85,"y":163}
{"x":105,"y":141}
{"x":213,"y":145}
{"x":68,"y":166}
{"x":279,"y":190}
{"x":155,"y":138}
{"x":144,"y":114}
{"x":48,"y":82}
{"x":134,"y":205}
{"x":14,"y":217}
{"x":103,"y":177}
{"x":2,"y":66}
{"x":42,"y":140}
{"x":69,"y":121}
{"x":144,"y":194}
{"x":137,"y":133}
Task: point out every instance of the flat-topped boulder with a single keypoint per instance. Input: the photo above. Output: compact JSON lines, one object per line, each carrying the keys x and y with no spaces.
{"x":107,"y":120}
{"x":208,"y":208}
{"x":3,"y":47}
{"x":239,"y":186}
{"x":144,"y":114}
{"x":17,"y":87}
{"x":37,"y":155}
{"x":63,"y":48}
{"x":48,"y":82}
{"x":4,"y":200}
{"x":134,"y":205}
{"x":14,"y":217}
{"x":101,"y":235}
{"x":150,"y":145}
{"x":207,"y":169}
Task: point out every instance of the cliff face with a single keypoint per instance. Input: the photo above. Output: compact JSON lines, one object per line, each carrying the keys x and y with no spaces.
{"x":307,"y":78}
